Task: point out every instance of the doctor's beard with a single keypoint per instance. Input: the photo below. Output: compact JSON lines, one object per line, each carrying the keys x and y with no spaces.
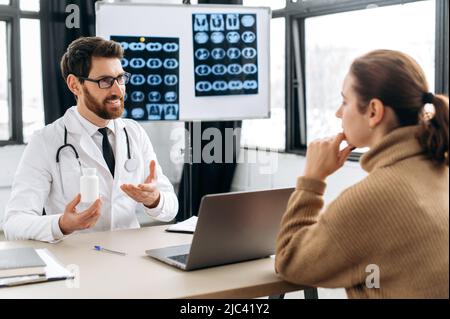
{"x":101,"y":108}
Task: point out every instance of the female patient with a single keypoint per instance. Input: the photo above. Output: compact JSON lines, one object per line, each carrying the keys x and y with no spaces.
{"x":386,"y":236}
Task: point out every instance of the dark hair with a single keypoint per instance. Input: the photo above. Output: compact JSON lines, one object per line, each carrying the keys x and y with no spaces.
{"x":78,"y":58}
{"x":399,"y":82}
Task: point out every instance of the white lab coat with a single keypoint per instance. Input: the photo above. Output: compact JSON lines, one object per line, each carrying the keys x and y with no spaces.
{"x":37,"y":182}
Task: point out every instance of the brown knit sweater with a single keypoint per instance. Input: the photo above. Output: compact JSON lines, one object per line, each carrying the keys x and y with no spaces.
{"x":396,"y":218}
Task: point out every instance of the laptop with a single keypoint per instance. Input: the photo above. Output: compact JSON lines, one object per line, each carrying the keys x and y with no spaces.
{"x":231,"y":227}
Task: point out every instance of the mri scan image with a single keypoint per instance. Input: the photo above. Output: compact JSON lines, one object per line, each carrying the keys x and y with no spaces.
{"x":137,"y":63}
{"x":170,"y":80}
{"x":201,"y":54}
{"x":235,"y":85}
{"x":203,"y":86}
{"x":225,"y":54}
{"x":250,"y":68}
{"x":248,"y":37}
{"x":203,"y":70}
{"x":154,"y":111}
{"x":220,"y":86}
{"x":170,"y":96}
{"x":171,"y":64}
{"x":136,"y":46}
{"x":232,"y":22}
{"x":154,"y":46}
{"x":233,"y":37}
{"x":201,"y":37}
{"x":137,"y":96}
{"x":249,"y":53}
{"x":217,"y":37}
{"x":137,"y":79}
{"x":250,"y":85}
{"x":154,"y":79}
{"x":170,"y":111}
{"x":219,"y":69}
{"x":170,"y":47}
{"x":201,"y":23}
{"x":234,"y":69}
{"x":248,"y":20}
{"x":218,"y":54}
{"x":154,"y":96}
{"x":154,"y":63}
{"x":217,"y":22}
{"x":233,"y":53}
{"x":138,"y":113}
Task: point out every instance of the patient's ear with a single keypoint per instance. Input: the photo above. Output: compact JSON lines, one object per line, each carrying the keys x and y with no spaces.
{"x":375,"y":112}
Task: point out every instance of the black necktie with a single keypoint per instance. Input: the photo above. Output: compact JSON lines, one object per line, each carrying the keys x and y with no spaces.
{"x":108,"y":153}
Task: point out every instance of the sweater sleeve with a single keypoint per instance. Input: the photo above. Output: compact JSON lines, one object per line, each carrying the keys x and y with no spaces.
{"x":307,"y":253}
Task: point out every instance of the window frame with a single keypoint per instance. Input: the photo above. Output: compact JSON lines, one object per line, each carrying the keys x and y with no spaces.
{"x":11,"y":14}
{"x":295,"y":15}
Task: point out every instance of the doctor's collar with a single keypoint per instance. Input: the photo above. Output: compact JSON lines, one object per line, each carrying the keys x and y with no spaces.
{"x":90,"y":128}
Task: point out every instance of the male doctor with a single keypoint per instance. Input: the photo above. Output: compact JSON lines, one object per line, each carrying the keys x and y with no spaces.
{"x":89,"y":135}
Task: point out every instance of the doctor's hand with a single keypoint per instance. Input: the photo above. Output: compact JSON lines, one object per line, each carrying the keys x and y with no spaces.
{"x":323,"y":157}
{"x":71,"y":220}
{"x":145,"y":193}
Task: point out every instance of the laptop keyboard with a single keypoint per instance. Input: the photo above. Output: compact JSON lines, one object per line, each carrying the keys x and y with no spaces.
{"x":180,"y":258}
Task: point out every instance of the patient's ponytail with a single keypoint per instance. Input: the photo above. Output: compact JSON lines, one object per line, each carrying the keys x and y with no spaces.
{"x":433,"y":132}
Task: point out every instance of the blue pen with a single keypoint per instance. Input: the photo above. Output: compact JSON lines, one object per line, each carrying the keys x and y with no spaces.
{"x":100,"y":248}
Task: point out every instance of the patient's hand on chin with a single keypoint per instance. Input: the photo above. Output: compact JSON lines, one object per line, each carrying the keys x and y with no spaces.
{"x":324,"y":157}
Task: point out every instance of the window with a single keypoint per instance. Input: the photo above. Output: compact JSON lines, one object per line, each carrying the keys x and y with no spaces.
{"x":271,"y":133}
{"x":274,"y":4}
{"x":29,"y":5}
{"x":32,"y":96}
{"x":333,"y":41}
{"x":21,"y":95}
{"x":323,"y":39}
{"x":4,"y":110}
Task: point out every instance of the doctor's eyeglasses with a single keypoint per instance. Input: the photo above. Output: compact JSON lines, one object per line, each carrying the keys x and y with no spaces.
{"x":107,"y":82}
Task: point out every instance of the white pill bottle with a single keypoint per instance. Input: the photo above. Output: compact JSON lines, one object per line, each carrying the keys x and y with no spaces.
{"x":88,"y":187}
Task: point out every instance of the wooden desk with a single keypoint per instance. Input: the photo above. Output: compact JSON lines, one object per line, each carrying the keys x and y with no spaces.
{"x":103,"y":275}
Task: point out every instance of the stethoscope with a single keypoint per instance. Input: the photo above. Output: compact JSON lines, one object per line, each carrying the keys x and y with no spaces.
{"x":131,"y":164}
